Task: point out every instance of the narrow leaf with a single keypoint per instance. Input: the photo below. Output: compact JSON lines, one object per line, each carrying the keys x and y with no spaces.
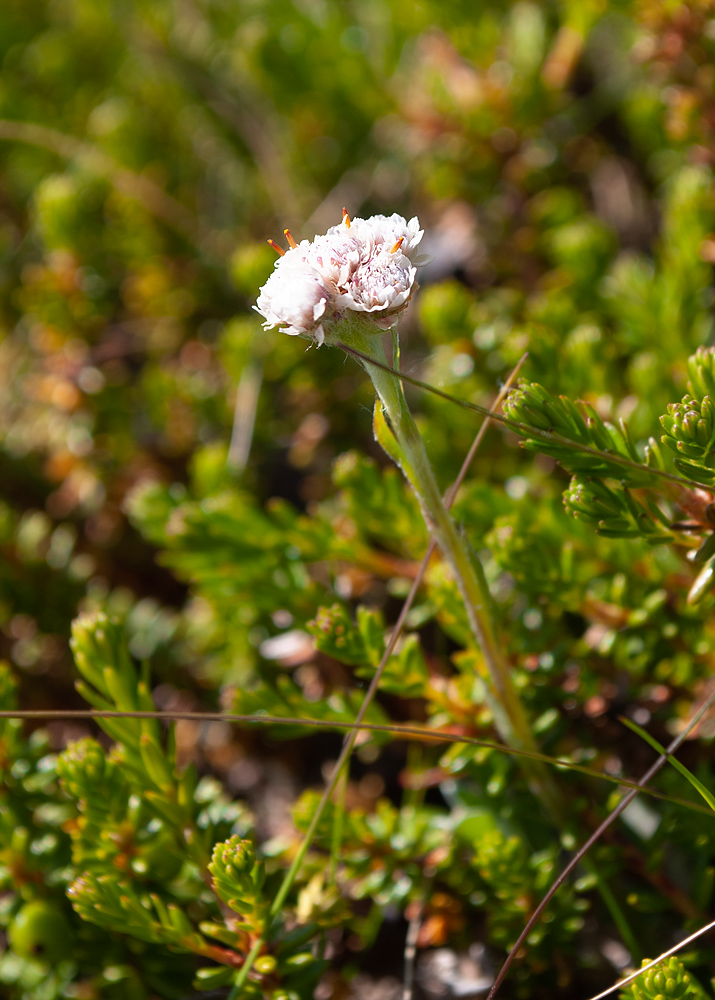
{"x":697,"y":785}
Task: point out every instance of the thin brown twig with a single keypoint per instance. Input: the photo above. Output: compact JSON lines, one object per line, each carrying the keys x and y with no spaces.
{"x":578,"y":856}
{"x":399,"y":731}
{"x":413,"y":933}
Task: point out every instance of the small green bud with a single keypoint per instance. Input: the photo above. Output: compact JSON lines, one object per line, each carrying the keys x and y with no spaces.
{"x":690,"y":429}
{"x":236,"y":854}
{"x":664,"y":981}
{"x":238,"y":878}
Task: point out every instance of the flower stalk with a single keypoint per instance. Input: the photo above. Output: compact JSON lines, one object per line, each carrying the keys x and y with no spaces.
{"x":510,"y":718}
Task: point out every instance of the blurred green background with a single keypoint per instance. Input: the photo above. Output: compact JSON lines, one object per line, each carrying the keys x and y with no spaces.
{"x":558,"y":154}
{"x":560,"y":157}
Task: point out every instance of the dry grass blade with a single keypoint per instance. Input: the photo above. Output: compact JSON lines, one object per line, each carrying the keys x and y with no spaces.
{"x":579,"y":855}
{"x":244,"y":417}
{"x":406,"y":732}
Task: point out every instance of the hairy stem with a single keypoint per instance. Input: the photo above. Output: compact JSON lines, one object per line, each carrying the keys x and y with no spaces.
{"x":509,"y":716}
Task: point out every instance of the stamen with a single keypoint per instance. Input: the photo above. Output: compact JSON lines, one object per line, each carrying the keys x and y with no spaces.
{"x":346,"y":218}
{"x":398,"y":245}
{"x":291,"y":242}
{"x":279,"y":250}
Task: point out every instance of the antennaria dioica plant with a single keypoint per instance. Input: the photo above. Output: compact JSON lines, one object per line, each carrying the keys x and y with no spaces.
{"x":208,"y":505}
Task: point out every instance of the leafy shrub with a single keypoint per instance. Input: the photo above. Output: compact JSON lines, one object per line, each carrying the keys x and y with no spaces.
{"x":195,"y":515}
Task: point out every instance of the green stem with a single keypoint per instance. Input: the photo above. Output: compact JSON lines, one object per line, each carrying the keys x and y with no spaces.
{"x":617,"y":914}
{"x":338,"y":825}
{"x":414,"y":797}
{"x":245,"y":969}
{"x":509,"y":716}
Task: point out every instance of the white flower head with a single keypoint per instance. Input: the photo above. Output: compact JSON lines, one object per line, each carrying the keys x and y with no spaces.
{"x":360,"y":266}
{"x":382,"y":231}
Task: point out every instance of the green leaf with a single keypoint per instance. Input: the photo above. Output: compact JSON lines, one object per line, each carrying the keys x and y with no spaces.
{"x":214,"y":977}
{"x":697,"y":785}
{"x":386,"y":439}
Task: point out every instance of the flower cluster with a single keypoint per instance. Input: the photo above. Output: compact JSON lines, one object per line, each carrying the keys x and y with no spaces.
{"x":360,"y":266}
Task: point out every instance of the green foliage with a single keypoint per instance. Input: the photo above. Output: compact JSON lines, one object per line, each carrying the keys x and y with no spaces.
{"x":206,"y":502}
{"x":104,"y":663}
{"x":517,"y":878}
{"x":690,"y":431}
{"x":362,"y":645}
{"x":667,"y":979}
{"x":144,"y":838}
{"x":534,"y":406}
{"x":388,"y":855}
{"x":238,"y":880}
{"x":532,"y":546}
{"x":689,"y":426}
{"x":615,"y":512}
{"x":114,"y":903}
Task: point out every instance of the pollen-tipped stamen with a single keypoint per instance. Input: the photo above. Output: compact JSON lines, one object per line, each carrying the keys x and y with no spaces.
{"x":346,"y":218}
{"x":397,"y":245}
{"x":291,"y":242}
{"x":279,"y":250}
